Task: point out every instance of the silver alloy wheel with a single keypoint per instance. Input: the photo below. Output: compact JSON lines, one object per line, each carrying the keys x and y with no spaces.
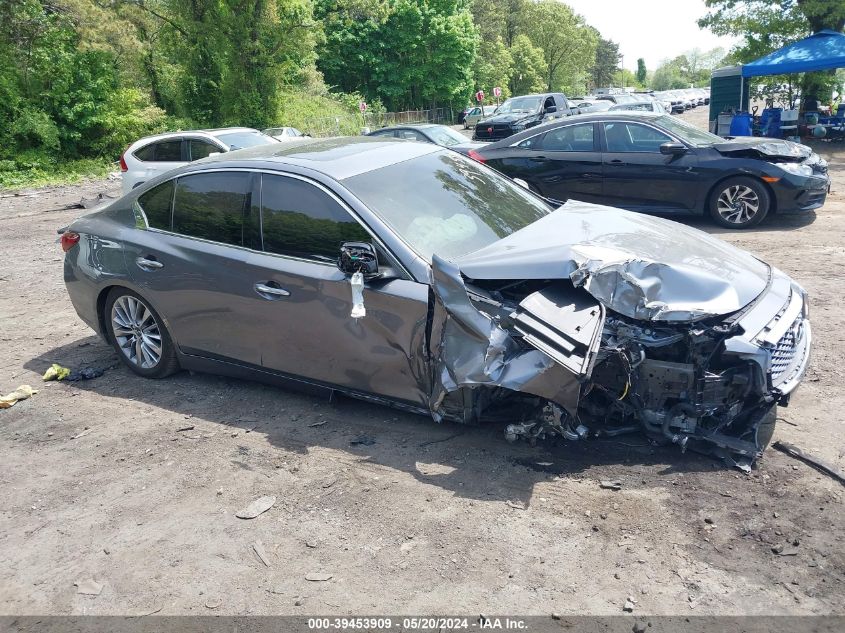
{"x":738,"y":204}
{"x":136,"y":331}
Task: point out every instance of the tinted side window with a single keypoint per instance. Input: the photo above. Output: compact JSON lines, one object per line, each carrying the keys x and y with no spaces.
{"x":168,"y":151}
{"x":212,"y":206}
{"x":146,"y":153}
{"x":411,"y":135}
{"x":201,"y":149}
{"x":633,"y":137}
{"x":300,"y":220}
{"x":156,"y":205}
{"x":571,"y":138}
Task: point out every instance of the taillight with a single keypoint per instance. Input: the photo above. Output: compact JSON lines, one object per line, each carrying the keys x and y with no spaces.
{"x":123,"y":166}
{"x":68,"y":240}
{"x":476,"y":156}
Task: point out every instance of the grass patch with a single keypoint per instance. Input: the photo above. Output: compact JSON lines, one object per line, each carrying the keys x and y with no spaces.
{"x":39,"y":175}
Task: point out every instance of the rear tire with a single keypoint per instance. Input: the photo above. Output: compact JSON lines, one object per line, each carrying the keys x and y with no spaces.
{"x":138,"y":334}
{"x":739,"y":202}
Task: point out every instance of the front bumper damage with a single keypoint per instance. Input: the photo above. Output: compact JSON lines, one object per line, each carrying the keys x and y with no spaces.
{"x":552,"y":359}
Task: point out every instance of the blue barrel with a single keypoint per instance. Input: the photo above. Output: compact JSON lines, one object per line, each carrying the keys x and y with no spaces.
{"x":741,"y":124}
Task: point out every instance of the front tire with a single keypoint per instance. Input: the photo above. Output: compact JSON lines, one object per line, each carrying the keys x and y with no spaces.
{"x":139,"y":335}
{"x":739,"y":203}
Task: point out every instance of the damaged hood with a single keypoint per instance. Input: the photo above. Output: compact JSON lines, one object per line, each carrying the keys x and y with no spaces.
{"x":766,"y":147}
{"x":637,"y":265}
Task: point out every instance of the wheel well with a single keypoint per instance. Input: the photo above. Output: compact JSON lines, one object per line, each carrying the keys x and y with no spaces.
{"x":773,"y":203}
{"x":101,"y":305}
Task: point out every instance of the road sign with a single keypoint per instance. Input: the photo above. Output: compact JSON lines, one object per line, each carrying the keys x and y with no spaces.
{"x":497,"y":92}
{"x":479,"y":96}
{"x":362,"y":107}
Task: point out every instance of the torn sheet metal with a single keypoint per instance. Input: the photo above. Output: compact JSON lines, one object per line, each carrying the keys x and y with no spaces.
{"x":473,"y":349}
{"x":766,"y":147}
{"x":640,"y":266}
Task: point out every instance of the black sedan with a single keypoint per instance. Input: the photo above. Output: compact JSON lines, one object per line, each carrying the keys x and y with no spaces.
{"x":441,"y":135}
{"x":655,"y":163}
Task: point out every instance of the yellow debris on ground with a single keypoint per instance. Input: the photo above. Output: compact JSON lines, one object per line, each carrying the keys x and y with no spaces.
{"x":21,"y":393}
{"x":56,"y":372}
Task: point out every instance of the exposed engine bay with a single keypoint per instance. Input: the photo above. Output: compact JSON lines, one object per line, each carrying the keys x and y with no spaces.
{"x":678,"y":382}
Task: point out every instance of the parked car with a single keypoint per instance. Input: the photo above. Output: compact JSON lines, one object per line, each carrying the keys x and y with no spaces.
{"x":476,"y":114}
{"x":283,"y":133}
{"x":519,"y":113}
{"x":645,"y":105}
{"x":406,"y":274}
{"x":441,"y":135}
{"x":618,"y":98}
{"x":655,"y":163}
{"x":676,"y":104}
{"x":583,"y":106}
{"x":150,"y":156}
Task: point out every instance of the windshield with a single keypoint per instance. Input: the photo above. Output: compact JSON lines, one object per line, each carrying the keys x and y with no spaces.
{"x":520,"y":105}
{"x":240,"y":140}
{"x":446,"y":136}
{"x":689,"y":133}
{"x":446,"y":204}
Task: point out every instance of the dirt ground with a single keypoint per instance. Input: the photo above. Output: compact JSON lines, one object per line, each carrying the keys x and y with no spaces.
{"x":98,"y":480}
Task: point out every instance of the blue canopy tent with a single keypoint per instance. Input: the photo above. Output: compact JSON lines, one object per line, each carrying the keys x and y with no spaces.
{"x":821,"y":51}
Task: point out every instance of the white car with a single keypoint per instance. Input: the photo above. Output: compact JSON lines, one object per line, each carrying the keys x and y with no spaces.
{"x":153,"y":155}
{"x":284,"y":133}
{"x":476,"y":114}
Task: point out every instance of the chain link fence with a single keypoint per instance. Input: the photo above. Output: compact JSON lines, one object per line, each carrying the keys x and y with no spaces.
{"x":354,"y":124}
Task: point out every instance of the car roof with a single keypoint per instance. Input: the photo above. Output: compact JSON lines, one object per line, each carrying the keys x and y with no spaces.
{"x":419,"y":126}
{"x":209,"y":132}
{"x":338,"y":158}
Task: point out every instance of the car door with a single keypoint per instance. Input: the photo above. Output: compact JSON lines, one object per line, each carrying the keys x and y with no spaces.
{"x":303,"y":325}
{"x":161,"y":156}
{"x":202,"y":148}
{"x":637,"y":176}
{"x":191,"y":262}
{"x":561,"y":164}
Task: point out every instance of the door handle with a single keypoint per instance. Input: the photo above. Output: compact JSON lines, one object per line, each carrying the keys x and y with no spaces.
{"x":271,"y":292}
{"x":148,"y":263}
{"x":539,"y":159}
{"x":616,"y":162}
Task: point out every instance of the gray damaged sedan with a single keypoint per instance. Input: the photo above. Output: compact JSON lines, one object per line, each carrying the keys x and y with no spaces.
{"x":406,"y":274}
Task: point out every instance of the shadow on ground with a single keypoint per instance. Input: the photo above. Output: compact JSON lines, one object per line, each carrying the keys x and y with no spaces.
{"x":471,"y":462}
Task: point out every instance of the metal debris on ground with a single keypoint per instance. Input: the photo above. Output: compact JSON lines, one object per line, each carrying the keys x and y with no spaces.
{"x":318,"y":577}
{"x":81,"y":434}
{"x":259,"y":506}
{"x":89,"y":587}
{"x":818,"y":464}
{"x":611,"y":485}
{"x":21,"y":393}
{"x":258,"y":548}
{"x":87,"y":203}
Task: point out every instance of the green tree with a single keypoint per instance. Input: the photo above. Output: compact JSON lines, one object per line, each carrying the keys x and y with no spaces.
{"x":407,"y":53}
{"x":642,"y":73}
{"x":494,"y":67}
{"x":529,"y":67}
{"x":568,"y":44}
{"x":606,"y":63}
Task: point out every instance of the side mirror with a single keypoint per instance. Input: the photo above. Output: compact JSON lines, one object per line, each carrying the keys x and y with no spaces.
{"x":551,"y":109}
{"x":358,"y":257}
{"x":673,"y":148}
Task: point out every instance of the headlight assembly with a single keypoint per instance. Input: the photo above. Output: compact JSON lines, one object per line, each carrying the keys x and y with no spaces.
{"x":798,"y":169}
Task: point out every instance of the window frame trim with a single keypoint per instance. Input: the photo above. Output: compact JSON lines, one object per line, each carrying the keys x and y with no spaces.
{"x":395,"y":261}
{"x":634,"y":122}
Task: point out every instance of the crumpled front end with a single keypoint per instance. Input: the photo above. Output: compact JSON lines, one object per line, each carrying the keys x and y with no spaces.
{"x":553,"y":357}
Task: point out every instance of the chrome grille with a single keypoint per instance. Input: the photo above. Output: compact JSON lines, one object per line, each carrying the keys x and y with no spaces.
{"x":784,"y":353}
